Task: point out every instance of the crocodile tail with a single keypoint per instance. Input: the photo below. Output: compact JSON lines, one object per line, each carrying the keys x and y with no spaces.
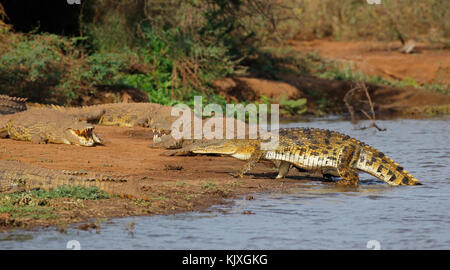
{"x":45,"y":106}
{"x":9,"y":105}
{"x":381,"y":166}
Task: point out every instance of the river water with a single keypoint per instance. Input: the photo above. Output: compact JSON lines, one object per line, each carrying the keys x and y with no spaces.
{"x":316,"y":215}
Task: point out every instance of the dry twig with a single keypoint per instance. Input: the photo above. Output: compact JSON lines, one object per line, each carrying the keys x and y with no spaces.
{"x":361,"y":86}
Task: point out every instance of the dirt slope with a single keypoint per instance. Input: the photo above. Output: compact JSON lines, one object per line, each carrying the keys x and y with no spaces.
{"x":428,"y":63}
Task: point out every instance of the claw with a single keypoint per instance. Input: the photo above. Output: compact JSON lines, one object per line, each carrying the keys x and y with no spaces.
{"x":236,"y":175}
{"x":156,"y":138}
{"x":96,"y":138}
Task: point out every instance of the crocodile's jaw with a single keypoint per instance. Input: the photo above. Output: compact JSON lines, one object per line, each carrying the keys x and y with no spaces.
{"x":214,"y":151}
{"x":84,"y":137}
{"x":224,"y":151}
{"x":220,"y":148}
{"x":96,"y":138}
{"x":242,"y":155}
{"x":238,"y":149}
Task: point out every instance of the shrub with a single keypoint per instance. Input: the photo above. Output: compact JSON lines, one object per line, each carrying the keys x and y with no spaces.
{"x":33,"y":66}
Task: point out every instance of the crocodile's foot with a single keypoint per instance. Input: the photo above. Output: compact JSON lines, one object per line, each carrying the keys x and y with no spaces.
{"x":328,"y":177}
{"x":161,"y":140}
{"x":236,"y":174}
{"x":347,"y":183}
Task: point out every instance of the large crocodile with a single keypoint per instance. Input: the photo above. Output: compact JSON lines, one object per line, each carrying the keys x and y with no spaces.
{"x":155,"y":116}
{"x":16,"y":176}
{"x":315,"y":150}
{"x":40,"y":125}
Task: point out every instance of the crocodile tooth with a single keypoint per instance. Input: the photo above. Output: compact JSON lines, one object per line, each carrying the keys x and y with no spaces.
{"x":156,"y":138}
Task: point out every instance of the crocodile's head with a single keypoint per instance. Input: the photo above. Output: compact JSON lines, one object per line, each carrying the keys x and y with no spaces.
{"x":241,"y":149}
{"x":81,"y":134}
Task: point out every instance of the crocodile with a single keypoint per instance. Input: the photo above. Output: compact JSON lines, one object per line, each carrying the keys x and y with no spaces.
{"x":9,"y":105}
{"x":40,"y":125}
{"x":314,"y":150}
{"x":16,"y":176}
{"x":157,"y":117}
{"x":152,"y":115}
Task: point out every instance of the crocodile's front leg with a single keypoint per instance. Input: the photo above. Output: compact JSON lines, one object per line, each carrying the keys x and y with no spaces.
{"x":345,"y":166}
{"x":254,"y":158}
{"x":4,"y":132}
{"x":283,"y":169}
{"x":4,"y":126}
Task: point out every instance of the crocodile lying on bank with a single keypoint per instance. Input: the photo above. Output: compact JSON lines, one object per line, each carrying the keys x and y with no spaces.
{"x":315,"y":150}
{"x":16,"y":176}
{"x":155,"y":116}
{"x":10,"y":105}
{"x":40,"y":125}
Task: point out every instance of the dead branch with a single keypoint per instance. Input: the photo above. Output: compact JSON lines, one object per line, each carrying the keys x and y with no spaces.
{"x":361,"y":87}
{"x":347,"y":103}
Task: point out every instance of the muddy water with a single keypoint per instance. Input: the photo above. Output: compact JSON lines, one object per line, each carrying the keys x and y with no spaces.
{"x":315,"y":215}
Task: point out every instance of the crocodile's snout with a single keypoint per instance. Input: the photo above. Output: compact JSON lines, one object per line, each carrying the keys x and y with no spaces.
{"x":215,"y":148}
{"x":85,"y":136}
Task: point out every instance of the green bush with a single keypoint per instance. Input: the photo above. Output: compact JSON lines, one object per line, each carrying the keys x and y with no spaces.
{"x":288,"y":107}
{"x":33,"y":67}
{"x":74,"y":192}
{"x":52,"y":69}
{"x":181,"y":66}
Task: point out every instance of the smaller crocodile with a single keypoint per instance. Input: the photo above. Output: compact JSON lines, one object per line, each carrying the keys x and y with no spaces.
{"x":315,"y":150}
{"x":16,"y":176}
{"x":151,"y":115}
{"x":40,"y":125}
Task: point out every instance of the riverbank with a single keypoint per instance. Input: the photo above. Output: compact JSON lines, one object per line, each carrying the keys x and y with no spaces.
{"x":176,"y":184}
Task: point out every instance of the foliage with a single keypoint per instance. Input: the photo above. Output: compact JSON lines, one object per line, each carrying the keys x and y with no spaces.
{"x":52,"y":69}
{"x":74,"y":192}
{"x":288,"y":107}
{"x":185,"y":45}
{"x":178,"y":72}
{"x":32,"y":67}
{"x":269,"y":62}
{"x":337,"y":71}
{"x":292,"y":107}
{"x":354,"y":19}
{"x":36,"y":204}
